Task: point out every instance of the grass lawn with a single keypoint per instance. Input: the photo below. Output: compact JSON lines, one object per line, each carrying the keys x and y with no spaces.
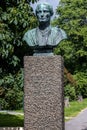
{"x":7,"y":120}
{"x":75,"y":107}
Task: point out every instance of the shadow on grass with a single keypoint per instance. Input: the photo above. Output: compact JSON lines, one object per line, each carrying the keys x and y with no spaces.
{"x":7,"y":120}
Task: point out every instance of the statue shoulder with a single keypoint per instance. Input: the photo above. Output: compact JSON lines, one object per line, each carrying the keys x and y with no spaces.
{"x":29,"y":37}
{"x":59,"y":32}
{"x":58,"y":35}
{"x":30,"y":32}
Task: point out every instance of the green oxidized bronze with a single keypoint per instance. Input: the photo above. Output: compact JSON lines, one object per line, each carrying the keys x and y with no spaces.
{"x":44,"y":37}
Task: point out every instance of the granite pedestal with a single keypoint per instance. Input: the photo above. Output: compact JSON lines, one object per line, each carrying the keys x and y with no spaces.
{"x":43,"y":93}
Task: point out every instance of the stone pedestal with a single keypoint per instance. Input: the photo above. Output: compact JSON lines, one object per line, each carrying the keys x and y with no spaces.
{"x":43,"y":93}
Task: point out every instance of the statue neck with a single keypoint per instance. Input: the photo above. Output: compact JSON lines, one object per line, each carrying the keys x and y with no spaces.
{"x":43,"y":25}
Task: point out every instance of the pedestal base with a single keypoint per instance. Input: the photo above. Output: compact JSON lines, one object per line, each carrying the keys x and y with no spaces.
{"x":43,"y":93}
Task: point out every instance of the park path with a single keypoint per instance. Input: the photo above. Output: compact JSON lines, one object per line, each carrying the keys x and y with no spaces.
{"x":78,"y":123}
{"x":12,"y":112}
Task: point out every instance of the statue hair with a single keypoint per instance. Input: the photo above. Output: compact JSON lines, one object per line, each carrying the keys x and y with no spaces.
{"x":48,"y":6}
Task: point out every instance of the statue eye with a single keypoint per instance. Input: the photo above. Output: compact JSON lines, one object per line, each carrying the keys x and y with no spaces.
{"x":45,"y":11}
{"x":39,"y":11}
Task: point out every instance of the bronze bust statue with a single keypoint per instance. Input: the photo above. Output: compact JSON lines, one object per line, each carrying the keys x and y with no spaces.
{"x":45,"y":37}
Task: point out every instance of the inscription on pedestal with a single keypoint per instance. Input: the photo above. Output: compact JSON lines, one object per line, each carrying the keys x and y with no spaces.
{"x":43,"y":93}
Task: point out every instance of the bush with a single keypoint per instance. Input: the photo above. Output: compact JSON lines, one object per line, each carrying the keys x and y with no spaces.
{"x":70,"y":92}
{"x":81,"y":89}
{"x":13,"y":100}
{"x":3,"y":104}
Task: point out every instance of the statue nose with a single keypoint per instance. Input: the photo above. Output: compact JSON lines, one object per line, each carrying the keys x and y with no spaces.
{"x":42,"y":14}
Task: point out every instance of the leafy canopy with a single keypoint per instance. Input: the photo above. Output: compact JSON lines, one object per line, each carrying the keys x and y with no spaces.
{"x":73,"y":19}
{"x":16,"y":17}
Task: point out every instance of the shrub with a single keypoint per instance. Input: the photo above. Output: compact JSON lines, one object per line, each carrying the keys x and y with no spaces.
{"x":70,"y":92}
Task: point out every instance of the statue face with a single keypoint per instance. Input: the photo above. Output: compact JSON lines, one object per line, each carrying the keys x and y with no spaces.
{"x":43,"y":14}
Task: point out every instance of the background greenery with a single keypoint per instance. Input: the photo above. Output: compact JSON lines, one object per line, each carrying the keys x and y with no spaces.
{"x":16,"y":18}
{"x":73,"y":19}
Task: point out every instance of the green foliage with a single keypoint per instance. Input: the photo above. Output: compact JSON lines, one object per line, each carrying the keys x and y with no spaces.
{"x":69,"y":91}
{"x":13,"y":91}
{"x":81,"y":78}
{"x":73,"y":19}
{"x":16,"y":18}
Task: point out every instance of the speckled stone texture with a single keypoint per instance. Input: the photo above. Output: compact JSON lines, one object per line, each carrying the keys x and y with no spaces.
{"x":43,"y":93}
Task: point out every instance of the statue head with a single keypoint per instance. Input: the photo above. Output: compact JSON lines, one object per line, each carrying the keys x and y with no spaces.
{"x":44,"y":11}
{"x":45,"y":37}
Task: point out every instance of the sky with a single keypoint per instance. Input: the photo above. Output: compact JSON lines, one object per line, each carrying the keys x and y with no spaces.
{"x":54,"y":3}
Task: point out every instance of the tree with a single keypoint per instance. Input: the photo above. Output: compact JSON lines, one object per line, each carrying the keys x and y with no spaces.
{"x":16,"y":17}
{"x":73,"y":19}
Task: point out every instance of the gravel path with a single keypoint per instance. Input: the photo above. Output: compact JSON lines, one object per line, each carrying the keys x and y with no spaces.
{"x":77,"y":123}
